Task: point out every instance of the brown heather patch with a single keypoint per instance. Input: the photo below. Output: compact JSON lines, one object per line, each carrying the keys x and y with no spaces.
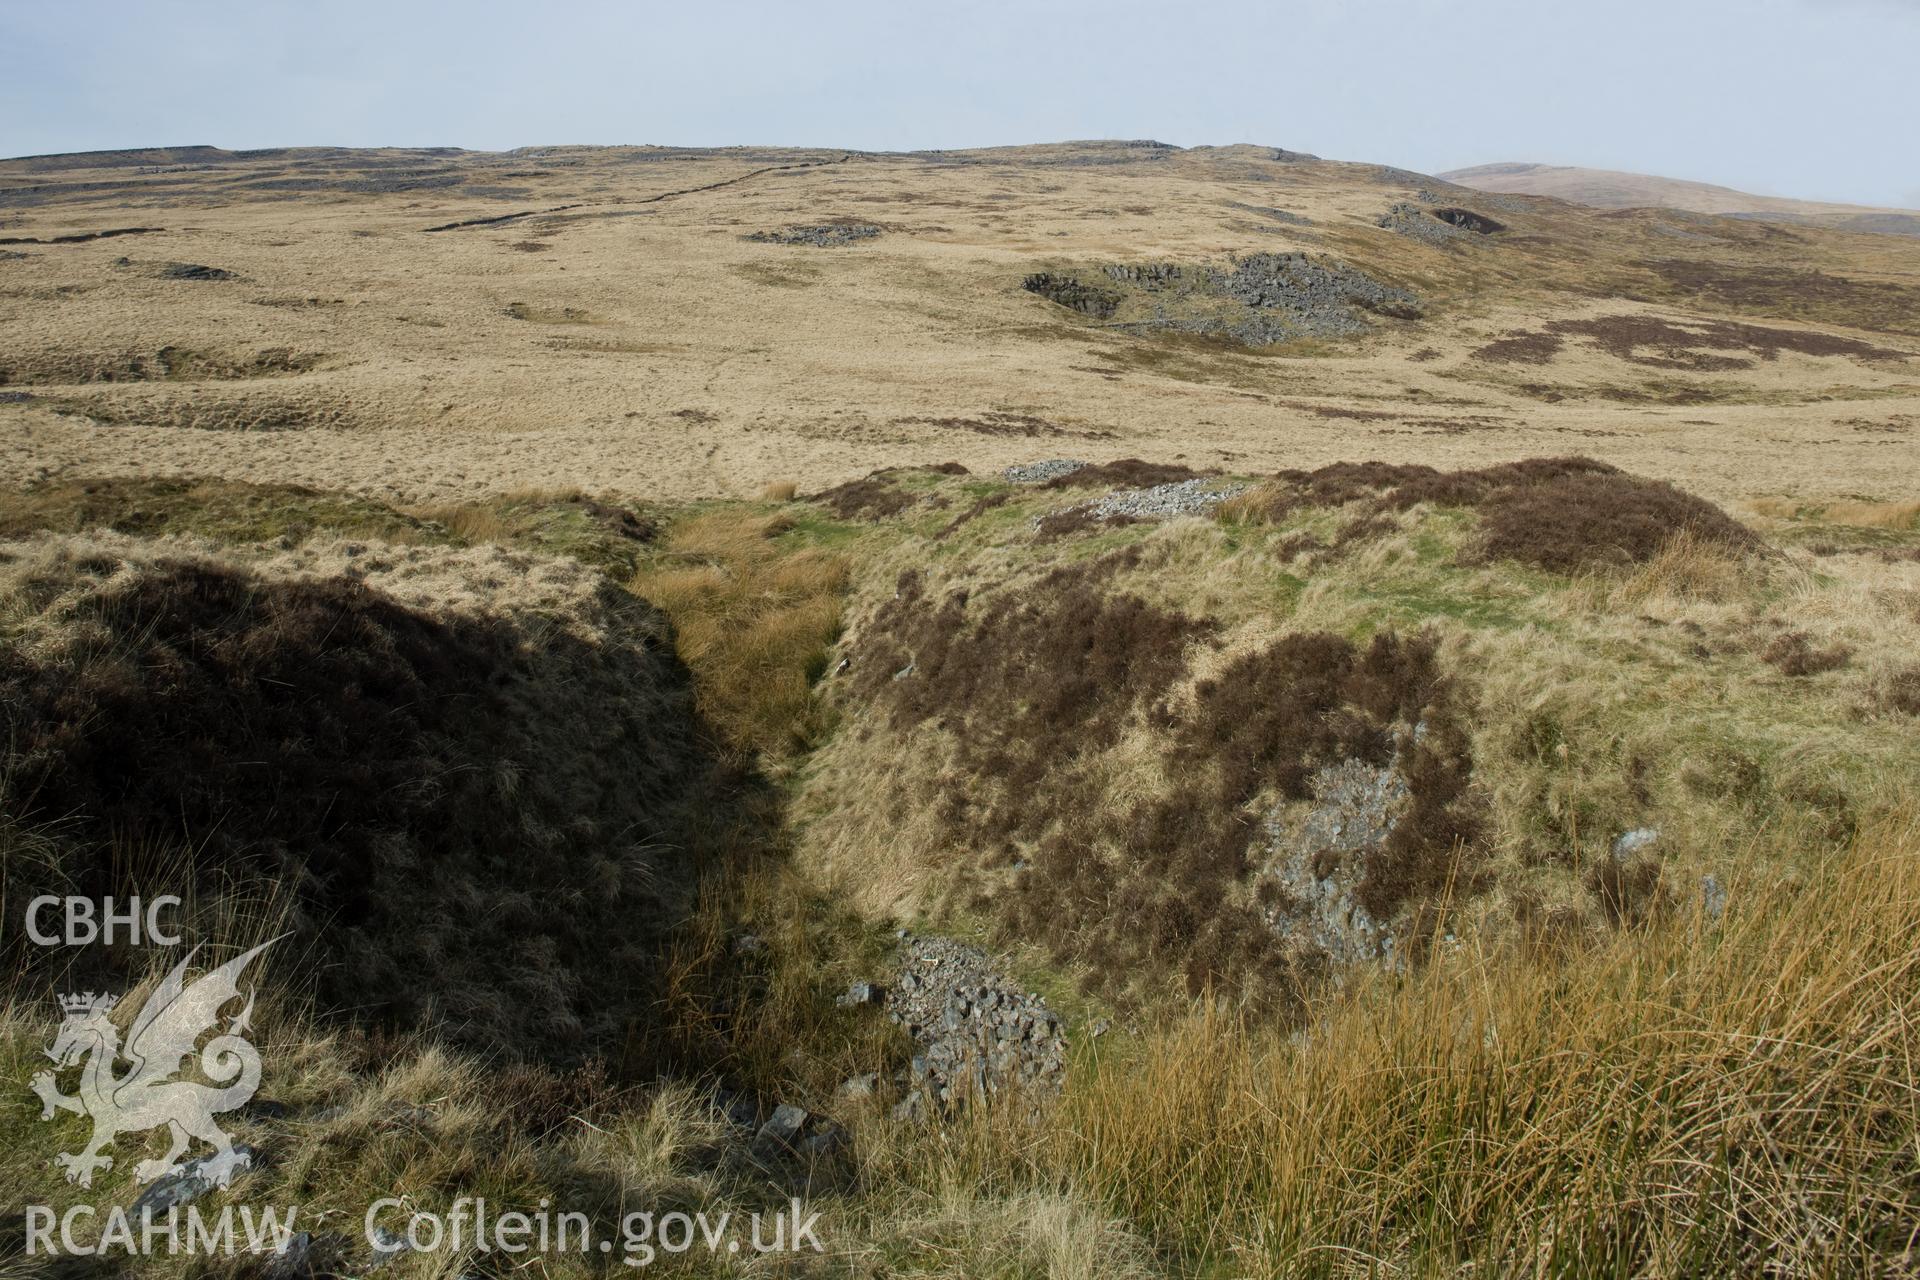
{"x":256,"y":409}
{"x":1124,"y":473}
{"x":1560,"y":514}
{"x":1005,"y":424}
{"x":1520,"y":348}
{"x":1397,"y":487}
{"x":1573,"y":521}
{"x":1272,"y":717}
{"x":1062,"y":524}
{"x":1791,"y":291}
{"x":979,"y":508}
{"x":1344,"y":413}
{"x":1034,"y":685}
{"x":1900,"y":692}
{"x":224,"y":510}
{"x":1624,"y":336}
{"x":398,"y":775}
{"x":167,"y":364}
{"x":1090,"y":657}
{"x":876,"y":496}
{"x":1631,"y":893}
{"x":1689,"y":345}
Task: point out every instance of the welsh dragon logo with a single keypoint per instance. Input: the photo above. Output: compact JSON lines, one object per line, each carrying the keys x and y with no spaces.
{"x":159,"y":1043}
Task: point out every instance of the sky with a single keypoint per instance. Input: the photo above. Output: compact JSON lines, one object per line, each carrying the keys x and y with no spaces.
{"x":1806,"y":98}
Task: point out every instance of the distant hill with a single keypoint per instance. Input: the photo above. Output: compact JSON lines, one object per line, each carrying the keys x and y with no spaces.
{"x":1610,"y":189}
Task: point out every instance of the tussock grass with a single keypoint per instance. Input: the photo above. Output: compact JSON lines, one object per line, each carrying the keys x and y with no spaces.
{"x":1837,"y":526}
{"x":609,"y":536}
{"x":753,"y":618}
{"x":1874,"y":515}
{"x":1697,"y":1096}
{"x":1687,"y":567}
{"x":1696,"y":1099}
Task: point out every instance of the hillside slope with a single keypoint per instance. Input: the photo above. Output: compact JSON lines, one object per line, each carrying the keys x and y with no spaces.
{"x":664,"y":322}
{"x":1614,"y":189}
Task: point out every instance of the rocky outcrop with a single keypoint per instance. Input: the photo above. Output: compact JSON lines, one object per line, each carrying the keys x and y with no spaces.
{"x":1256,"y":300}
{"x":824,"y":236}
{"x":1441,"y":225}
{"x":1072,"y":294}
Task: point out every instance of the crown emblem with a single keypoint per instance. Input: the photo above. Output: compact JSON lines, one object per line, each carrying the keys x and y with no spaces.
{"x":83,"y":1003}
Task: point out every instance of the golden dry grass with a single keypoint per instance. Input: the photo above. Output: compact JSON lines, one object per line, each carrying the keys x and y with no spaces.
{"x":1874,"y":515}
{"x":1703,"y":1098}
{"x":1688,"y":568}
{"x":449,"y":366}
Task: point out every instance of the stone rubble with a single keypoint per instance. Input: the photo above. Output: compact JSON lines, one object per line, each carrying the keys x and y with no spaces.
{"x":1041,"y":472}
{"x":1713,"y":896}
{"x":1072,"y":294}
{"x":1629,"y":842}
{"x":193,"y":271}
{"x":1195,"y":497}
{"x":193,"y":1179}
{"x":975,"y":1032}
{"x":781,"y":1132}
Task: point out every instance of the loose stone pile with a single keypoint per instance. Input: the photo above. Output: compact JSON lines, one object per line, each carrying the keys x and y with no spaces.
{"x":1194,"y":497}
{"x":1151,"y":275}
{"x":194,"y":271}
{"x":977,"y":1034}
{"x":1041,"y":472}
{"x":825,"y":236}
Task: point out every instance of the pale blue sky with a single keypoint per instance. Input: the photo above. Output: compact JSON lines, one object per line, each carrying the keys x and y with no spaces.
{"x":1811,"y":98}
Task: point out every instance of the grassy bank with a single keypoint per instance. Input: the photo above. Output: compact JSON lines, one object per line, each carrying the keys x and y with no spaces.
{"x":1597,"y":1066}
